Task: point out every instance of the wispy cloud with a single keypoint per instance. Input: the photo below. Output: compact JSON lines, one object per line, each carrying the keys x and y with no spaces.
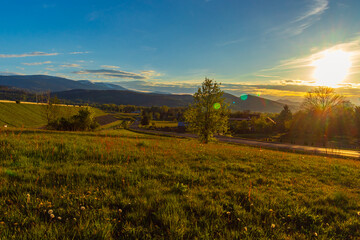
{"x":74,"y":53}
{"x":37,"y":63}
{"x":308,"y":18}
{"x":9,"y":73}
{"x":32,"y":54}
{"x":73,"y":65}
{"x":109,"y":66}
{"x":317,"y":8}
{"x":304,"y":20}
{"x":111,"y":73}
{"x":235,"y":41}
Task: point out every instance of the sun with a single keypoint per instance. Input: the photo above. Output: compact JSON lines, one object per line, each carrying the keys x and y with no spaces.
{"x":332,"y":68}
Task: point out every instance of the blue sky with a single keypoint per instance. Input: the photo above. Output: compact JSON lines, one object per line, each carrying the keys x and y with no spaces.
{"x":260,"y":47}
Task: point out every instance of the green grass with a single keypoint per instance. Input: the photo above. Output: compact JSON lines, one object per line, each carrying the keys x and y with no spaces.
{"x":135,"y":186}
{"x":114,"y":125}
{"x":125,"y":116}
{"x":32,"y":115}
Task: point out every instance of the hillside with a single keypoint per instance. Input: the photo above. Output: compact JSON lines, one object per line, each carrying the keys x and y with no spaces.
{"x":31,"y":115}
{"x":125,"y":98}
{"x":252,"y":103}
{"x":124,"y":185}
{"x":42,"y":83}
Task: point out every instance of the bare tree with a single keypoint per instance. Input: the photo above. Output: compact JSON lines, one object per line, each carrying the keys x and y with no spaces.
{"x":321,"y":100}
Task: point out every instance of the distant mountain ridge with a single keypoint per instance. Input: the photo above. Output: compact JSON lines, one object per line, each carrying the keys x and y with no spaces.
{"x":84,"y":91}
{"x":252,"y":103}
{"x":40,"y":83}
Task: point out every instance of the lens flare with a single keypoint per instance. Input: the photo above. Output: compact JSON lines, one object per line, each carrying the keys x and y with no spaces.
{"x":244,"y":97}
{"x":217,"y":106}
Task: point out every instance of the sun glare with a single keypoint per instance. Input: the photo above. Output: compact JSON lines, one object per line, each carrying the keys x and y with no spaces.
{"x":332,"y":68}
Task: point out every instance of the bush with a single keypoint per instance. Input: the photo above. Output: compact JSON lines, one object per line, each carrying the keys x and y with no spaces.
{"x":83,"y":121}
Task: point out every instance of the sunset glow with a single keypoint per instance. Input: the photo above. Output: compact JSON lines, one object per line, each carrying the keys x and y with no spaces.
{"x":332,"y":68}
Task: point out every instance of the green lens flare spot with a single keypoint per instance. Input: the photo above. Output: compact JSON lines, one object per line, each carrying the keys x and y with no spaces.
{"x":243,"y":97}
{"x":217,"y":106}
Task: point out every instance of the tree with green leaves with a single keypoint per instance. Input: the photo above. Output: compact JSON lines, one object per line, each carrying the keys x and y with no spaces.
{"x":284,"y":116}
{"x":145,"y":118}
{"x":208,"y":114}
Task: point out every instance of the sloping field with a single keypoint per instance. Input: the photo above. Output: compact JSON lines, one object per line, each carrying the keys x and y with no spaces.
{"x":124,"y":185}
{"x":31,"y":115}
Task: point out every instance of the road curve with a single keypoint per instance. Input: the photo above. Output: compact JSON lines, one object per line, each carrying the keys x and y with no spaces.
{"x":277,"y":146}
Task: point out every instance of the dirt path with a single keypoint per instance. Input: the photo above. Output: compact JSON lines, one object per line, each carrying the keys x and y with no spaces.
{"x":277,"y":146}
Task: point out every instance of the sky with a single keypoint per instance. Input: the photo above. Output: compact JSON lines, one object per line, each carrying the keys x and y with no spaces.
{"x":270,"y":48}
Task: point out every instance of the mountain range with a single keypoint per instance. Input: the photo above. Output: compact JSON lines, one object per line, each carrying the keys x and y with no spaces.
{"x":41,"y":83}
{"x":84,"y":91}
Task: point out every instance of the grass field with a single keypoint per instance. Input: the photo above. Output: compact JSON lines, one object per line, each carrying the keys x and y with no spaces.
{"x":32,"y":115}
{"x":124,"y":185}
{"x":163,"y":124}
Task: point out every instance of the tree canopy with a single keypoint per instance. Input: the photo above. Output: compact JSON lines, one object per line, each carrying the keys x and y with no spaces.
{"x":208,"y":115}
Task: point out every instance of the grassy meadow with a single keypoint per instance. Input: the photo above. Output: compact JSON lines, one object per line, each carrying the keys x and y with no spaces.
{"x":32,"y":115}
{"x":123,"y":185}
{"x":163,"y":124}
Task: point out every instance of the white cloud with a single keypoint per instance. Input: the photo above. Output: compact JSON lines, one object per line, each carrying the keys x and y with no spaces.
{"x":308,"y":18}
{"x":70,"y":65}
{"x":74,"y":53}
{"x":111,"y":73}
{"x":37,"y":63}
{"x":9,"y":73}
{"x":231,"y":42}
{"x":316,"y":9}
{"x":109,"y":66}
{"x":304,"y":20}
{"x":32,"y":54}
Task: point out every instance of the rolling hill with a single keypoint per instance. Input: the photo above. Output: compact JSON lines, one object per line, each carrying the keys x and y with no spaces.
{"x":32,"y":115}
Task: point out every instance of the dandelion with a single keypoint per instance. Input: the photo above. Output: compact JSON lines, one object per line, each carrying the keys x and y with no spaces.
{"x":28,"y":198}
{"x":52,"y":216}
{"x":315,"y":234}
{"x":74,"y":219}
{"x":82,"y":208}
{"x":2,"y":223}
{"x":120,"y":211}
{"x":270,"y":210}
{"x":245,"y":228}
{"x":228,"y":213}
{"x":59,"y":218}
{"x":358,"y":213}
{"x":272,"y":225}
{"x":50,"y":212}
